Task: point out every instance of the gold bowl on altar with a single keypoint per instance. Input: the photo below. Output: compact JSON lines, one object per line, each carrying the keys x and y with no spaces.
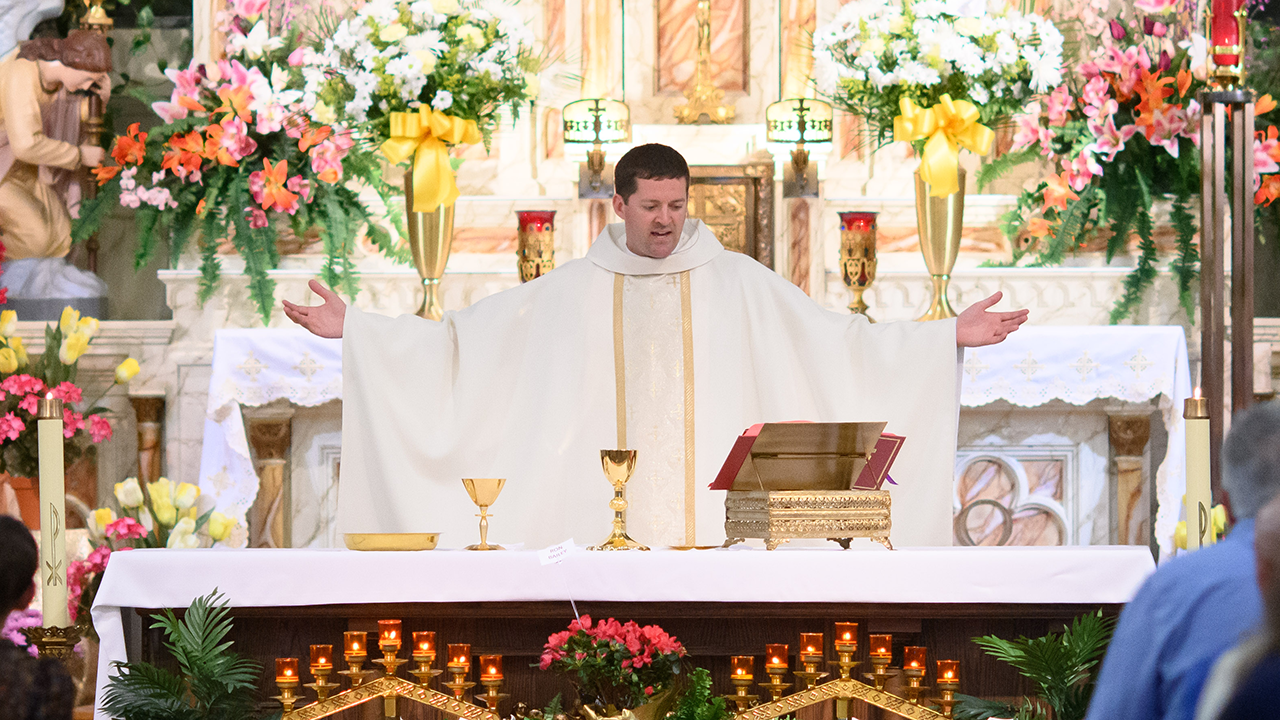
{"x":391,"y":541}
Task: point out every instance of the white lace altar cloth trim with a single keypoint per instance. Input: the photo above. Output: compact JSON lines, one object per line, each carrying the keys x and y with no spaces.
{"x":253,"y":368}
{"x":252,"y":578}
{"x":1133,"y":363}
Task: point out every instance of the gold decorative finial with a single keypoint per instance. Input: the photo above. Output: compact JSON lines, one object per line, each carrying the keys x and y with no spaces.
{"x":705,"y":98}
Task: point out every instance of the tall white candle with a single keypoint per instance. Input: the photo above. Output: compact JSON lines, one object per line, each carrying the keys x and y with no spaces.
{"x":53,"y":513}
{"x":1199,"y":497}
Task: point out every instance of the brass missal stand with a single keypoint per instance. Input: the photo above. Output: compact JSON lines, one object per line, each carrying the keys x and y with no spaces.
{"x":797,"y":483}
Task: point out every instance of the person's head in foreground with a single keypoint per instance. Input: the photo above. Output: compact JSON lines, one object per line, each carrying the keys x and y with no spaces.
{"x":1251,"y":460}
{"x":651,"y":183}
{"x":30,"y":688}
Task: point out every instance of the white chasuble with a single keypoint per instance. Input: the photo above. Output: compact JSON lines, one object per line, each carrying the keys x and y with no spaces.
{"x":673,"y":357}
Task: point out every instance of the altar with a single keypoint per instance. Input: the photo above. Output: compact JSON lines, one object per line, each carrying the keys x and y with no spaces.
{"x":718,"y":602}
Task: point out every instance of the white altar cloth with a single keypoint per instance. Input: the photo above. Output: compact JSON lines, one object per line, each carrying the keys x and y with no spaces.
{"x":1132,"y":363}
{"x":253,"y":578}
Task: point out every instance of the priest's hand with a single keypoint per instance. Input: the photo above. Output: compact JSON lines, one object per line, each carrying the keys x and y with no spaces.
{"x":323,"y":320}
{"x":976,"y":327}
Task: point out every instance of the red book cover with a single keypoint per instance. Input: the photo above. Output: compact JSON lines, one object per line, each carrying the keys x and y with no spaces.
{"x":876,"y":470}
{"x":737,"y":456}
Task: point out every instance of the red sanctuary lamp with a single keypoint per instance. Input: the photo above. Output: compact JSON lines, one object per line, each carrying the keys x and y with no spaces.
{"x":1226,"y":21}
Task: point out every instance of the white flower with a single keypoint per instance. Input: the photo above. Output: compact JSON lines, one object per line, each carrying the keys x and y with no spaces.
{"x":442,"y":101}
{"x":254,"y":45}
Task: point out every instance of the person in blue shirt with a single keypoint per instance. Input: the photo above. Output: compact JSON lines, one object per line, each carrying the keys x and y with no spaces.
{"x":1198,"y":605}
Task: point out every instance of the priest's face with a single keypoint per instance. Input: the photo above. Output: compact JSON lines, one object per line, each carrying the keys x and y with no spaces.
{"x":654,"y":215}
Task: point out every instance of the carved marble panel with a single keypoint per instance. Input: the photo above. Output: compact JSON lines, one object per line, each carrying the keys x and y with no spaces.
{"x":798,"y":19}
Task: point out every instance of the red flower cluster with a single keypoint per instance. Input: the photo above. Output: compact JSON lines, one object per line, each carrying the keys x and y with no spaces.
{"x":642,"y":643}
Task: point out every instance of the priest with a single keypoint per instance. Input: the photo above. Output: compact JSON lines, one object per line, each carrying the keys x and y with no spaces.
{"x":659,"y":340}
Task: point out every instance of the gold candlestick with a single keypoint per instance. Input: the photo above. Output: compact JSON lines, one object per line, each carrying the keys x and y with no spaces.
{"x":618,"y":467}
{"x":287,"y":682}
{"x":880,"y":672}
{"x":775,"y":686}
{"x":424,"y":654}
{"x":355,"y":653}
{"x":55,"y":642}
{"x":458,"y":682}
{"x":484,"y":492}
{"x":948,"y":683}
{"x":491,"y":696}
{"x":913,"y":664}
{"x":742,"y":676}
{"x":389,"y":662}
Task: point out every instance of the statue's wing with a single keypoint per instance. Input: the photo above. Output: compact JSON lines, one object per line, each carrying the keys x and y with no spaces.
{"x":19,"y":17}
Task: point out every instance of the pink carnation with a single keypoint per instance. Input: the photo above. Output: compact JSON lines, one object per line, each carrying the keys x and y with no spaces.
{"x":99,"y":428}
{"x":72,"y":422}
{"x":126,"y":528}
{"x":11,"y":427}
{"x":68,"y":393}
{"x":30,"y":403}
{"x":22,"y":384}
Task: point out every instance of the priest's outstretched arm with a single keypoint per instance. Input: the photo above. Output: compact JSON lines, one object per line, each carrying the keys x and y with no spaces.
{"x":323,"y":320}
{"x":977,"y":327}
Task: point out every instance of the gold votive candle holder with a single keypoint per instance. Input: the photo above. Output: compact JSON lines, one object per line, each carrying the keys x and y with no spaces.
{"x":287,"y":682}
{"x":881,"y":651}
{"x":389,"y":640}
{"x":459,"y":668}
{"x":321,"y":668}
{"x":777,"y":657}
{"x":913,"y":666}
{"x":355,"y":650}
{"x":810,"y":655}
{"x":948,"y":684}
{"x":491,"y":680}
{"x":424,"y":655}
{"x":846,"y":644}
{"x":742,"y":674}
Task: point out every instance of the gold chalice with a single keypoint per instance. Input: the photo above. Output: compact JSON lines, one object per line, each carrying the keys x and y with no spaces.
{"x":483,"y":492}
{"x":618,"y":466}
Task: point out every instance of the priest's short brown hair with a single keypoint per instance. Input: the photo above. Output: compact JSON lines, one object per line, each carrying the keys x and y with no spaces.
{"x":652,"y":161}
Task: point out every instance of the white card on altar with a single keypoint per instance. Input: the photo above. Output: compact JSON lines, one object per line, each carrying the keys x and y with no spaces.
{"x":556,"y":553}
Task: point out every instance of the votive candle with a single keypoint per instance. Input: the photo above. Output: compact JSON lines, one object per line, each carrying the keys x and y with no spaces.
{"x":490,"y":667}
{"x":460,"y":655}
{"x":286,"y":669}
{"x":777,"y":655}
{"x":811,"y":647}
{"x":53,"y":512}
{"x":846,"y":637}
{"x":389,"y":633}
{"x":1224,"y":31}
{"x":948,"y":672}
{"x":882,"y":646}
{"x":424,"y":644}
{"x":354,"y":646}
{"x":913,"y":657}
{"x":321,"y":656}
{"x":743,"y":666}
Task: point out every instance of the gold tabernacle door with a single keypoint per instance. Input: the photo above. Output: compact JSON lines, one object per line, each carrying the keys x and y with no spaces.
{"x":794,"y":480}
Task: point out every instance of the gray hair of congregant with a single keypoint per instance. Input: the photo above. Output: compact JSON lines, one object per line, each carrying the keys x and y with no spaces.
{"x":1251,"y":459}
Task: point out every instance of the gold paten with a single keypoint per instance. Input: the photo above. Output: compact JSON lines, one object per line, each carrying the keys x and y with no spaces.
{"x":618,"y":467}
{"x":430,"y":236}
{"x":391,"y":541}
{"x":796,"y":484}
{"x":939,"y":220}
{"x":484,"y":492}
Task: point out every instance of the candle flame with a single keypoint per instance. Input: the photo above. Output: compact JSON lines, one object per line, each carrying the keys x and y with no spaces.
{"x":355,"y":646}
{"x":848,"y":636}
{"x":915,"y":664}
{"x":288,"y":672}
{"x":1196,"y":394}
{"x":948,"y":675}
{"x":493,"y":670}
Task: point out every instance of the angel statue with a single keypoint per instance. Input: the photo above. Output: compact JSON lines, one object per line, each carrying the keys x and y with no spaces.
{"x":41,"y":84}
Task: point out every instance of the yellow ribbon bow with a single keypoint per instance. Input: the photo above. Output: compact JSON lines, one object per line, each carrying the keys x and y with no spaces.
{"x":949,"y":125}
{"x":427,"y":135}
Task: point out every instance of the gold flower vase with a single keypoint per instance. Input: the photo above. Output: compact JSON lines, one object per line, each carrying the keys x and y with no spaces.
{"x":430,"y":235}
{"x":939,"y":220}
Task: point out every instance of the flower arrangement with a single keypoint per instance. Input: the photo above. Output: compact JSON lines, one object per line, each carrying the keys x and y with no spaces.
{"x":165,"y":515}
{"x":24,"y":380}
{"x":876,"y":53}
{"x":419,"y":76}
{"x":1122,"y":131}
{"x":238,"y":157}
{"x":615,"y":666}
{"x":17,"y":621}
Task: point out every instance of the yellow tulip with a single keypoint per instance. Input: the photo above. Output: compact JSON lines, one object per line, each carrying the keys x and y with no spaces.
{"x":1219,"y":520}
{"x":161,"y":492}
{"x":101,"y":518}
{"x":220,"y":526}
{"x":8,"y":323}
{"x":1180,"y":535}
{"x":126,"y":370}
{"x":129,"y":493}
{"x":15,"y":342}
{"x":70,"y":318}
{"x":73,"y":346}
{"x":185,"y":496}
{"x":87,"y":326}
{"x":8,"y":360}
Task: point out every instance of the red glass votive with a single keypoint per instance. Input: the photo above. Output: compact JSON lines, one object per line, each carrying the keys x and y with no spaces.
{"x":1224,"y":31}
{"x":948,"y":672}
{"x":913,"y":657}
{"x":460,"y":655}
{"x":862,"y":221}
{"x":354,"y":645}
{"x":424,"y":644}
{"x":286,"y":669}
{"x":846,"y":637}
{"x":881,"y":646}
{"x":490,"y":667}
{"x":321,"y":656}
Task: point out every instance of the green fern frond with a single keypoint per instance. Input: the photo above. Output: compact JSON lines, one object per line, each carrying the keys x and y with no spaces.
{"x":994,"y":169}
{"x":93,"y":212}
{"x":1144,"y":275}
{"x":1186,"y":266}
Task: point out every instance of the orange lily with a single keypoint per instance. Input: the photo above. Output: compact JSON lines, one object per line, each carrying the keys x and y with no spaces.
{"x":130,"y":147}
{"x":200,"y":208}
{"x":186,"y":153}
{"x":1058,"y":192}
{"x":190,"y":103}
{"x":105,"y":173}
{"x":274,"y":192}
{"x":1038,"y":227}
{"x":213,"y":149}
{"x":235,"y":101}
{"x":1264,"y":105}
{"x":311,"y":137}
{"x":1269,"y":191}
{"x":1184,"y":82}
{"x":1153,"y":89}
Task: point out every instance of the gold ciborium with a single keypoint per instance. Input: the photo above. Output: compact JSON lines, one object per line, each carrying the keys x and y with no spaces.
{"x":430,"y":235}
{"x":618,"y":466}
{"x":483,"y":492}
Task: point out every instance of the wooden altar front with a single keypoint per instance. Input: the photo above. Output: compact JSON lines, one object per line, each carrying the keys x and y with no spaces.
{"x":718,"y":603}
